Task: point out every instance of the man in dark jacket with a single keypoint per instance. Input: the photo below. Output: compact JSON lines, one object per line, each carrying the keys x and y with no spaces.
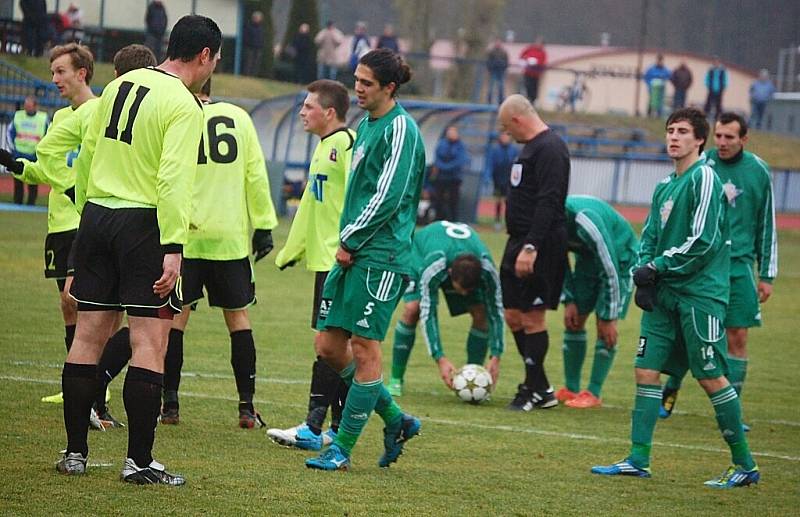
{"x":155,"y":20}
{"x":496,"y":64}
{"x":35,"y":28}
{"x":452,"y":160}
{"x":253,"y":40}
{"x":681,"y":80}
{"x":305,"y":67}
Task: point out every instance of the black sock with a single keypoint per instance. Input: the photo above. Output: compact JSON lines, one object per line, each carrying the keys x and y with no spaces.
{"x":536,"y":350}
{"x":337,"y":405}
{"x":521,"y":342}
{"x":69,"y":335}
{"x":243,"y":361}
{"x":324,"y":384}
{"x":78,"y":384}
{"x":115,"y":356}
{"x":173,"y":363}
{"x":142,"y":397}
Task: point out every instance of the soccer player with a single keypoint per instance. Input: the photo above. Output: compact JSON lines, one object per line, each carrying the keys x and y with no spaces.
{"x":315,"y":236}
{"x":535,"y":258}
{"x":135,"y":171}
{"x":748,"y":189}
{"x":682,"y":283}
{"x":451,"y":257}
{"x":26,"y":130}
{"x":230,"y":196}
{"x":364,"y":287}
{"x":605,"y":251}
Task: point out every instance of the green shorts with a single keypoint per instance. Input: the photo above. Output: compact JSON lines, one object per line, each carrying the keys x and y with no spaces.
{"x":587,"y":287}
{"x":457,"y":304}
{"x":679,"y":336}
{"x":743,"y":308}
{"x":360,"y":300}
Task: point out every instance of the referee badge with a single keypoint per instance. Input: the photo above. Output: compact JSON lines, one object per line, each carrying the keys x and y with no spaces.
{"x":516,"y":174}
{"x":332,"y":156}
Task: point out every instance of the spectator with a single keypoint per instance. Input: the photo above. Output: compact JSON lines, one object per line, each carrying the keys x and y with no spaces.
{"x":155,"y":20}
{"x":328,"y":40}
{"x":656,"y":78}
{"x":716,"y":82}
{"x":73,"y":24}
{"x":534,"y":62}
{"x":35,"y":26}
{"x":501,"y":157}
{"x":388,"y":39}
{"x":360,"y":44}
{"x":681,"y":80}
{"x":448,"y":170}
{"x":304,"y":67}
{"x":761,"y":91}
{"x":253,"y":41}
{"x":24,"y":133}
{"x":497,"y":64}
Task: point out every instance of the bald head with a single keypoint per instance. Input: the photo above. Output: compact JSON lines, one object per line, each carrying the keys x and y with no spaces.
{"x":518,"y":116}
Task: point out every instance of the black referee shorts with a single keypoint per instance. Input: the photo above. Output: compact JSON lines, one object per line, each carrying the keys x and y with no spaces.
{"x":229,"y":283}
{"x":542,"y":290}
{"x":319,"y":283}
{"x":118,"y":258}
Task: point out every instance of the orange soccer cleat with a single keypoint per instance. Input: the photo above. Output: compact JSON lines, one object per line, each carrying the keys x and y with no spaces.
{"x":564,"y":395}
{"x":584,"y":400}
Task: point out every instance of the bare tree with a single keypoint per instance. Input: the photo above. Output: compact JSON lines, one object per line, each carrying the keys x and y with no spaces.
{"x":470,"y":44}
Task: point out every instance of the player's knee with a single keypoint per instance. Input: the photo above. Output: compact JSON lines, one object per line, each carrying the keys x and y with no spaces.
{"x":644,"y":376}
{"x":237,"y":320}
{"x":737,"y":342}
{"x":513,"y":319}
{"x":69,"y":307}
{"x":479,"y":320}
{"x":411,"y":313}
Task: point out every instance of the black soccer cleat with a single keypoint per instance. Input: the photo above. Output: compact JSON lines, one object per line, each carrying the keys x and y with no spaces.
{"x":153,"y":474}
{"x":544,"y":399}
{"x":522,"y":400}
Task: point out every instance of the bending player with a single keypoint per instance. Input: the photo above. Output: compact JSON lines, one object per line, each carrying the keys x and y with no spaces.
{"x":451,"y":257}
{"x":605,"y":251}
{"x":230,"y":195}
{"x":315,"y":236}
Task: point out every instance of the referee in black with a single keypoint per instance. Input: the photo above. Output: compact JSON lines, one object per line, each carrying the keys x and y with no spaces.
{"x":534,"y":261}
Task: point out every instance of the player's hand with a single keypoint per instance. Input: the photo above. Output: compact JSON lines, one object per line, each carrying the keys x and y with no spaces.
{"x":493,"y":367}
{"x":764,"y":291}
{"x":172,"y":270}
{"x":571,"y":319}
{"x":344,"y":258}
{"x":8,"y":161}
{"x":607,"y":332}
{"x":291,"y":263}
{"x":262,"y":243}
{"x":446,"y":371}
{"x":645,"y":275}
{"x":646,"y":297}
{"x":523,"y":267}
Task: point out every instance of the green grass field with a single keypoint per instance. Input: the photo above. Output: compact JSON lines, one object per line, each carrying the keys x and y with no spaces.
{"x":469,"y":460}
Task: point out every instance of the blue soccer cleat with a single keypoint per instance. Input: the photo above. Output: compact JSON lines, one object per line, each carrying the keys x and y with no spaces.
{"x":735,"y":477}
{"x":395,"y":438}
{"x":328,"y":437}
{"x":306,"y":439}
{"x":621,"y":468}
{"x":333,"y":458}
{"x":668,"y":398}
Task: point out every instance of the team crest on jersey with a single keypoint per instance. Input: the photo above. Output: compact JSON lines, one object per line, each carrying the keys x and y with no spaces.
{"x":516,"y":174}
{"x":357,"y":156}
{"x":332,"y":156}
{"x":731,"y":192}
{"x":665,"y":210}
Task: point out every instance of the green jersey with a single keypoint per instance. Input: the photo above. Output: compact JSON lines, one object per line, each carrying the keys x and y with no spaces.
{"x":231,"y":189}
{"x":380,"y":207}
{"x":686,"y":237}
{"x":315,"y":229}
{"x":599,"y":236}
{"x":55,"y":155}
{"x":141,"y":149}
{"x":435,"y":248}
{"x":748,"y":188}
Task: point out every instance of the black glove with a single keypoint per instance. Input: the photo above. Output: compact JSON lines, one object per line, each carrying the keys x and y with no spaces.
{"x":8,"y":161}
{"x":262,"y":243}
{"x":70,"y":193}
{"x":291,"y":263}
{"x":646,"y":297}
{"x":645,"y":275}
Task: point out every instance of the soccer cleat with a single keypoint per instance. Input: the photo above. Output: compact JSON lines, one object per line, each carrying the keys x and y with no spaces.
{"x":285,"y":437}
{"x":153,"y":474}
{"x":95,"y":422}
{"x":735,"y":477}
{"x":522,"y":400}
{"x":328,"y":437}
{"x":544,"y":400}
{"x":395,"y":387}
{"x":621,"y":468}
{"x":564,"y":395}
{"x":584,"y":400}
{"x":306,"y":439}
{"x":668,"y":398}
{"x":249,"y":419}
{"x":58,"y":398}
{"x":332,"y":458}
{"x":108,"y":421}
{"x":169,"y":416}
{"x":394,"y":439}
{"x":71,"y":464}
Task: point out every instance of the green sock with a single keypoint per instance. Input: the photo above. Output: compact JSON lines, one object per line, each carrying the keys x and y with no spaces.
{"x":643,"y":423}
{"x":387,"y":408}
{"x":674,"y":383}
{"x":360,"y":402}
{"x":574,"y":352}
{"x":401,"y":350}
{"x":603,"y":359}
{"x":477,"y":346}
{"x":737,"y":371}
{"x":729,"y":418}
{"x":348,"y":373}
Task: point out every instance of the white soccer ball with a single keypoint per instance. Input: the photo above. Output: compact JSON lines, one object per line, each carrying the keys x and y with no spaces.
{"x":472,"y":383}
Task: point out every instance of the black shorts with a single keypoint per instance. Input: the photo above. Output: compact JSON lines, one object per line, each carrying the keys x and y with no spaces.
{"x":319,"y":283}
{"x":118,"y":258}
{"x":542,"y":290}
{"x":57,"y":248}
{"x":229,"y":283}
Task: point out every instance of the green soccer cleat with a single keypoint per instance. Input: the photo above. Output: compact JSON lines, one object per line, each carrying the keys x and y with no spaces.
{"x":395,"y":387}
{"x":621,"y":468}
{"x":58,"y":398}
{"x":735,"y":477}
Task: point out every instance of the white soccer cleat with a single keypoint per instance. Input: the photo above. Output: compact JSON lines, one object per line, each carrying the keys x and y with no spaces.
{"x":285,"y":437}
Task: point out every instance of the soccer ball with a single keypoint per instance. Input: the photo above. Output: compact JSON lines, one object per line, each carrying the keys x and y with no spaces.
{"x":472,"y":383}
